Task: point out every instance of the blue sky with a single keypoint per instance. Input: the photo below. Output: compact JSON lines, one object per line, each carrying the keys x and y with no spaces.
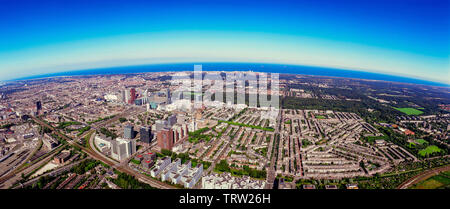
{"x":408,"y":38}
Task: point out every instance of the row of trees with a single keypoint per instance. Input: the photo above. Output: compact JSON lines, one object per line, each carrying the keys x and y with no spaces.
{"x":184,"y":157}
{"x":126,"y":181}
{"x":198,"y":135}
{"x":7,"y":126}
{"x":108,"y":133}
{"x":223,"y":166}
{"x":85,"y":166}
{"x":247,"y":125}
{"x":101,"y":119}
{"x":66,"y":124}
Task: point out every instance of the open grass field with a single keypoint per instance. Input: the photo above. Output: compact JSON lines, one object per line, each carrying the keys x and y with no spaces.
{"x":446,"y":173}
{"x":320,"y":117}
{"x":428,"y":184}
{"x":443,"y":179}
{"x":439,"y":181}
{"x":409,"y":111}
{"x":371,"y":139}
{"x":429,"y":150}
{"x":416,"y":142}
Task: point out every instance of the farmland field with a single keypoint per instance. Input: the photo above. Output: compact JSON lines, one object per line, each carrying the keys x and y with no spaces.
{"x":441,"y":180}
{"x":409,"y":111}
{"x":429,"y":184}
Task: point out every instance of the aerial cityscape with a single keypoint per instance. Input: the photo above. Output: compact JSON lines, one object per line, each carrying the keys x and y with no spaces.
{"x":156,"y":130}
{"x":150,"y":95}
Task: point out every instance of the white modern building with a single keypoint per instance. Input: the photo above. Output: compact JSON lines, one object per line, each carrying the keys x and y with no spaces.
{"x":226,"y":181}
{"x":111,"y":98}
{"x":193,"y":176}
{"x":122,"y":148}
{"x":178,"y":173}
{"x":102,"y":142}
{"x":169,"y":169}
{"x":160,"y":166}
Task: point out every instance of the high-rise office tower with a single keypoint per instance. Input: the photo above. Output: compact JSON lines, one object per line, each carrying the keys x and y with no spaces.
{"x":145,"y":133}
{"x":169,"y":97}
{"x":125,"y":96}
{"x":38,"y":107}
{"x":128,"y":132}
{"x":165,"y":138}
{"x":132,"y":96}
{"x":160,"y":124}
{"x":122,"y":148}
{"x":172,"y":120}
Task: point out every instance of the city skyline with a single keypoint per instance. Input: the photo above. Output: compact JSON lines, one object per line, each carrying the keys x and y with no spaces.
{"x":150,"y":130}
{"x":406,"y":38}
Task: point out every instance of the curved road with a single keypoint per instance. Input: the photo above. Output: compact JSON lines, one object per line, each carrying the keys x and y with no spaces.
{"x":95,"y":155}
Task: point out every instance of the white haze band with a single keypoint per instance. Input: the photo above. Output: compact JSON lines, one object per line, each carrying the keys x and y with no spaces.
{"x":258,"y":86}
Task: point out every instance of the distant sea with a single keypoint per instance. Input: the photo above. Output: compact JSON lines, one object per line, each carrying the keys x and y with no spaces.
{"x":256,"y":67}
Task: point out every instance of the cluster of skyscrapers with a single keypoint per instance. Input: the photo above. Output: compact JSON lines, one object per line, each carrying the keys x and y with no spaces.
{"x":38,"y":108}
{"x":144,"y":132}
{"x":133,"y":97}
{"x":169,"y":132}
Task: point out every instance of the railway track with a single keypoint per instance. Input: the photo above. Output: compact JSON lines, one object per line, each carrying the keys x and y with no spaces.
{"x":422,"y":176}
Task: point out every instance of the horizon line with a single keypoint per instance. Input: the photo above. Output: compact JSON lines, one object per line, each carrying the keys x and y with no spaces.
{"x":55,"y":74}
